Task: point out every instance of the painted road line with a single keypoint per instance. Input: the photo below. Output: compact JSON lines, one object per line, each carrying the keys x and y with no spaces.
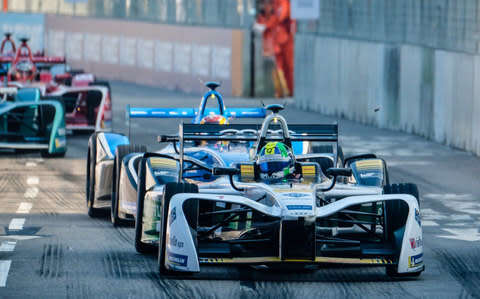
{"x":16,"y":224}
{"x":4,"y":268}
{"x":33,"y":180}
{"x":429,"y":223}
{"x":24,"y":208}
{"x":8,"y":246}
{"x":30,"y":164}
{"x":462,"y":234}
{"x":31,"y":192}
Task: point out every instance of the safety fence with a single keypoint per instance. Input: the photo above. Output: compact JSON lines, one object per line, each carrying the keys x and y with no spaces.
{"x":225,"y":13}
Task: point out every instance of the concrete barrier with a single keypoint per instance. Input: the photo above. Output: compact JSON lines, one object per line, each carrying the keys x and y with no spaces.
{"x":174,"y":57}
{"x":428,"y":92}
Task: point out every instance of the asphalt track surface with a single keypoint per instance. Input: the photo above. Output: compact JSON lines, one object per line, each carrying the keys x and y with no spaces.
{"x":50,"y":248}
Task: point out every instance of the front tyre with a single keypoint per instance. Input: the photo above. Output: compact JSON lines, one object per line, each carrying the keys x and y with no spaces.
{"x":120,"y":153}
{"x":396,"y":214}
{"x":139,"y":245}
{"x":191,"y":213}
{"x":90,"y":180}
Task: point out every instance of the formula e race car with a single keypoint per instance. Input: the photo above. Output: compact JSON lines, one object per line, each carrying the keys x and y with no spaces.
{"x":87,"y":101}
{"x":29,"y":122}
{"x":275,"y":210}
{"x":111,"y":156}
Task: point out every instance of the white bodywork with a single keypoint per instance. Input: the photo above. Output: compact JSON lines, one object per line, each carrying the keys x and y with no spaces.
{"x":101,"y":108}
{"x":185,"y":258}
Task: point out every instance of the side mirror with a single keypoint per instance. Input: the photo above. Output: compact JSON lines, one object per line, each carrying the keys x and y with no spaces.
{"x":225,"y":171}
{"x":336,"y":172}
{"x":369,"y":172}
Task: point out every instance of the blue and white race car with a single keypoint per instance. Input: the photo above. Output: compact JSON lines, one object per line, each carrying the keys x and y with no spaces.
{"x":198,"y":208}
{"x":112,"y":161}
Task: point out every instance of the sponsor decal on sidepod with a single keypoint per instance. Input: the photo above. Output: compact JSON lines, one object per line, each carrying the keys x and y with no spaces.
{"x":416,"y":243}
{"x":415,"y":261}
{"x":177,"y":259}
{"x":417,"y":217}
{"x":173,"y":215}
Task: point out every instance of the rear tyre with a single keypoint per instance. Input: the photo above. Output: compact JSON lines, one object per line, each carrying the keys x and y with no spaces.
{"x":90,"y":180}
{"x":191,"y":213}
{"x":139,"y":245}
{"x":121,"y":151}
{"x":45,"y":154}
{"x":396,"y":213}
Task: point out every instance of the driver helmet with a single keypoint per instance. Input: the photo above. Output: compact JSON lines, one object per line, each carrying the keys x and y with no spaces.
{"x":214,"y":119}
{"x":276,"y":162}
{"x":25,"y":71}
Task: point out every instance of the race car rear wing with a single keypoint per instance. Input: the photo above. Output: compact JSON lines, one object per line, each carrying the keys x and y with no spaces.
{"x":36,"y":59}
{"x":141,"y":112}
{"x":251,"y":132}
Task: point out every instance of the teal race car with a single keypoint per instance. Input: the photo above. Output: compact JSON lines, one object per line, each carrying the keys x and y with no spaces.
{"x":29,"y":122}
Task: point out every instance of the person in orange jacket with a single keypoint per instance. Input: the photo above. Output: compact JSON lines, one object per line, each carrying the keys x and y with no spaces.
{"x":266,"y":11}
{"x":282,"y":28}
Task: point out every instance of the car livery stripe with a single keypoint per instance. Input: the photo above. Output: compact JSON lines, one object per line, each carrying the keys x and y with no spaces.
{"x":369,"y":164}
{"x":274,"y":259}
{"x":299,"y":207}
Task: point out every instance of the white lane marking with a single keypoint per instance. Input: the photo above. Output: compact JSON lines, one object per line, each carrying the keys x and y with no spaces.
{"x":412,"y":163}
{"x":430,"y":214}
{"x":463,"y":234}
{"x":16,"y":224}
{"x":24,"y":208}
{"x":33,"y":180}
{"x":19,"y":237}
{"x":30,"y":164}
{"x":4,"y":268}
{"x":448,"y":196}
{"x":459,"y":217}
{"x":31,"y":192}
{"x":8,"y":246}
{"x":429,"y":223}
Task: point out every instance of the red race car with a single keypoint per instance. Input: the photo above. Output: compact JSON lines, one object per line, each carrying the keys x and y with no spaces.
{"x":87,"y":102}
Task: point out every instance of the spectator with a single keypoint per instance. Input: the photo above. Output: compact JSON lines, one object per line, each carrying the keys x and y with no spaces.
{"x":282,"y":30}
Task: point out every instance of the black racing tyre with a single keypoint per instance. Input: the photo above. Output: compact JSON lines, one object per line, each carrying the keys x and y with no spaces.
{"x":100,"y":83}
{"x":90,"y":180}
{"x":392,"y":272}
{"x":121,"y":151}
{"x":396,"y":213}
{"x":139,"y":246}
{"x":191,"y":213}
{"x":45,"y":154}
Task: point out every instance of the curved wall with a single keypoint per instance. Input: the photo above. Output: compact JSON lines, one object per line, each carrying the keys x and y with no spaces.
{"x":429,"y":92}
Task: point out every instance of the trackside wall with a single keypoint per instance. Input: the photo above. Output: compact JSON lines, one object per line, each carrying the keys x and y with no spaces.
{"x":175,"y":57}
{"x":430,"y":92}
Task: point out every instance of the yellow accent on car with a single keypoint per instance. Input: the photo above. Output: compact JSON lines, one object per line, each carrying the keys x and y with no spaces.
{"x":308,"y":170}
{"x":275,"y":259}
{"x":163,"y":162}
{"x":369,"y":164}
{"x":246,"y":169}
